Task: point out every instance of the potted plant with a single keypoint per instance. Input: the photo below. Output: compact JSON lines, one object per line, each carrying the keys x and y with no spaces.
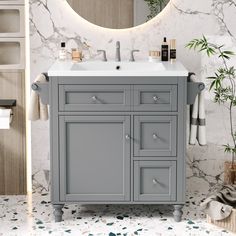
{"x":224,"y":86}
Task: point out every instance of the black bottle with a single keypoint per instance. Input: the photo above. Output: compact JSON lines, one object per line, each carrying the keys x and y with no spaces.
{"x":164,"y":51}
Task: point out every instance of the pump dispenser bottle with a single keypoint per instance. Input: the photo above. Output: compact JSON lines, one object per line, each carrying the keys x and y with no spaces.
{"x":63,"y":52}
{"x":164,"y":50}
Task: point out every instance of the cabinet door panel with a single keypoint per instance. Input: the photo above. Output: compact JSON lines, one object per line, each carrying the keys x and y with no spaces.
{"x":95,"y":158}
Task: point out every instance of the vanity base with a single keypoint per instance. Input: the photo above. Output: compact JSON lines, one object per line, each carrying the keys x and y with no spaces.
{"x":117,"y":140}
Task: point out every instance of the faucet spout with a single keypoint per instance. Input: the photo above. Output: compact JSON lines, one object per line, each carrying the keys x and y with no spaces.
{"x":118,"y":58}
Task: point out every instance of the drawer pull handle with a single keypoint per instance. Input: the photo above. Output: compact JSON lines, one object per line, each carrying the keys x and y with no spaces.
{"x":155,"y":181}
{"x":127,"y":137}
{"x":94,"y":98}
{"x":154,"y":136}
{"x":156,"y":98}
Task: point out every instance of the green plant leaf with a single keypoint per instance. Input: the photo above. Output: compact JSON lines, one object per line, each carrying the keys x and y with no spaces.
{"x":212,"y":85}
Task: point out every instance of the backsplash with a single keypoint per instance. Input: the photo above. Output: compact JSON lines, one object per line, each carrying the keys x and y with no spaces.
{"x":53,"y":21}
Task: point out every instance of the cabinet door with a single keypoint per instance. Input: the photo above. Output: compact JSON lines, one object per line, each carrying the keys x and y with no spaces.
{"x":94,"y":158}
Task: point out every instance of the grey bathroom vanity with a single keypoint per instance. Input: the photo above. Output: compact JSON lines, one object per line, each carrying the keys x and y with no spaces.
{"x":117,"y":137}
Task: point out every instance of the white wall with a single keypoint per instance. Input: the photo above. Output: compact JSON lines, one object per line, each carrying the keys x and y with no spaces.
{"x":52,"y":21}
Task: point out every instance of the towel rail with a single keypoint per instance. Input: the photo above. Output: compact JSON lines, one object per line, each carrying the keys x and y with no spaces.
{"x":193,"y":89}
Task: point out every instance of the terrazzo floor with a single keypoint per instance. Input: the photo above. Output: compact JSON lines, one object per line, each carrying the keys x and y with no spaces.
{"x":32,"y":215}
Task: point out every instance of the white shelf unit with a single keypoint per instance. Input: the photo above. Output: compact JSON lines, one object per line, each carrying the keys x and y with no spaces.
{"x":12,"y":53}
{"x":12,"y":2}
{"x":12,"y":35}
{"x":12,"y":21}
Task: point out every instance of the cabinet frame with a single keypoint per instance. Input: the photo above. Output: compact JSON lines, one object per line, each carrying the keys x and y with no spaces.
{"x":181,"y":82}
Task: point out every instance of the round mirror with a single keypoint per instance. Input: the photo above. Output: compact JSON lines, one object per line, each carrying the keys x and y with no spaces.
{"x":118,"y":14}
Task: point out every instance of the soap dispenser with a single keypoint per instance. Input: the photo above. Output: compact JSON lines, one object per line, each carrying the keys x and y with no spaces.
{"x":63,"y":52}
{"x":164,"y":50}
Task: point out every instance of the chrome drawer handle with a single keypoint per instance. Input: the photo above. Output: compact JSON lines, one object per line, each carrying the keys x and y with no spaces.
{"x":156,"y":98}
{"x":155,"y":181}
{"x":94,"y":98}
{"x":154,"y":136}
{"x":127,"y":137}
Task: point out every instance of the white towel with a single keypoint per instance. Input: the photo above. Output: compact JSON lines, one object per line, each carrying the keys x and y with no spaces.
{"x":198,"y":118}
{"x":37,"y":110}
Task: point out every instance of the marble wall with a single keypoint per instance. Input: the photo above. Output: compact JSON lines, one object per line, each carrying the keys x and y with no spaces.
{"x":53,"y":21}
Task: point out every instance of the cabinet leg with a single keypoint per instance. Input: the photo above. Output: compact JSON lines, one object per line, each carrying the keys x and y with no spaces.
{"x":178,"y":212}
{"x":58,"y":212}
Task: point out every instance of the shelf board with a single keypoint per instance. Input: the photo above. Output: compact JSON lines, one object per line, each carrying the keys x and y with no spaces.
{"x":7,"y":102}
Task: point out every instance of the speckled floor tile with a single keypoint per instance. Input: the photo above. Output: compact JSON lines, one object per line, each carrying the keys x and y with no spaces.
{"x":32,"y":215}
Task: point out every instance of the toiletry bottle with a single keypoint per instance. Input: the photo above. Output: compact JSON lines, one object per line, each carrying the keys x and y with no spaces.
{"x":76,"y":55}
{"x":173,"y":50}
{"x":164,"y":51}
{"x":63,"y":52}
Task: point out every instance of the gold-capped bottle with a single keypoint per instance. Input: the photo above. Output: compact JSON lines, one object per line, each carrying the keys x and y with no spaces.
{"x":173,"y":50}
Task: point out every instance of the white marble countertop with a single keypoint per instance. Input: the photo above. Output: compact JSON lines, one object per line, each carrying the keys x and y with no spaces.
{"x":99,"y":68}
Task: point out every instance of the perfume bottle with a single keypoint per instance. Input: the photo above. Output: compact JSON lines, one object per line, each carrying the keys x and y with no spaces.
{"x":63,"y":52}
{"x":173,"y":50}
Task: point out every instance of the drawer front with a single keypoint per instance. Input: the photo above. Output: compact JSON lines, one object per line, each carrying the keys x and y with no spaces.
{"x":155,"y":136}
{"x":155,"y":97}
{"x":94,"y":97}
{"x":154,"y":180}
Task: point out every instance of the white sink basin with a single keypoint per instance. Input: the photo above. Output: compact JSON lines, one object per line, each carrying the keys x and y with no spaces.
{"x":114,"y":69}
{"x":118,"y":66}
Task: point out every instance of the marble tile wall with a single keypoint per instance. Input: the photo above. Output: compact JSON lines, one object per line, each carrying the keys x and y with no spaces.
{"x":53,"y":21}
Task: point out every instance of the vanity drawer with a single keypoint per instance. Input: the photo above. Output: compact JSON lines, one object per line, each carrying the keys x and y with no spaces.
{"x":94,"y":97}
{"x":155,"y":97}
{"x":154,"y":181}
{"x":155,"y":136}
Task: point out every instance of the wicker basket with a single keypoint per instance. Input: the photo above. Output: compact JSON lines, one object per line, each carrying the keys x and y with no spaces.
{"x":228,"y":223}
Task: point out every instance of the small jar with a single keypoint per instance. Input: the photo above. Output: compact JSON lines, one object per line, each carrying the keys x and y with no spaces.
{"x":76,"y":55}
{"x":154,"y":56}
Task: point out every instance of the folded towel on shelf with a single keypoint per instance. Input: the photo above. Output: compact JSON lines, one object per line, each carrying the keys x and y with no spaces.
{"x":220,"y":204}
{"x":37,"y":110}
{"x":197,"y":117}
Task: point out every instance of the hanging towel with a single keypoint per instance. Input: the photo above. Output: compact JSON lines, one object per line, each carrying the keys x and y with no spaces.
{"x":37,"y":110}
{"x":220,"y":204}
{"x":197,"y":117}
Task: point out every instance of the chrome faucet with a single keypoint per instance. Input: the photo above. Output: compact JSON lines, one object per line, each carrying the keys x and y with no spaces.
{"x":118,"y":51}
{"x":132,"y":55}
{"x":104,"y":55}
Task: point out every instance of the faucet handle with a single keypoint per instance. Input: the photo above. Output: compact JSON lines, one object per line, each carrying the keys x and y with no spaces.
{"x":104,"y":54}
{"x":132,"y":54}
